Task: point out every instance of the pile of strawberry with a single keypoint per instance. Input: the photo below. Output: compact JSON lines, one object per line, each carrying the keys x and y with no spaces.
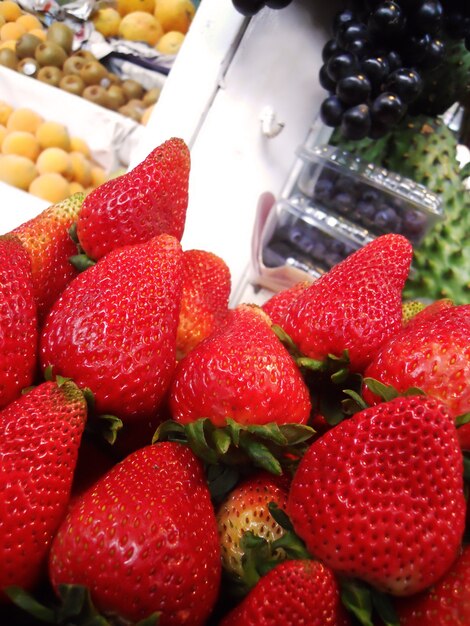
{"x":166,"y":459}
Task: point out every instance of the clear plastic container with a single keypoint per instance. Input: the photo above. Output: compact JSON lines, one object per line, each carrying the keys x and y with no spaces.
{"x":300,"y":241}
{"x":367,"y":195}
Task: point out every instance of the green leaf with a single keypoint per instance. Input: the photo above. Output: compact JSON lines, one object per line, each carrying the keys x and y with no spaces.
{"x":357,"y":598}
{"x":234,"y":429}
{"x":73,"y":233}
{"x":81,"y":262}
{"x":414,"y":391}
{"x":196,"y":433}
{"x":296,"y":433}
{"x":310,"y":364}
{"x":221,"y":480}
{"x":354,"y":403}
{"x":286,"y":340}
{"x":268,"y":431}
{"x":170,"y":430}
{"x":72,"y":601}
{"x":48,"y":373}
{"x":386,"y":392}
{"x":260,"y":455}
{"x":340,"y":376}
{"x":30,"y":605}
{"x":383,"y":604}
{"x":109,"y":426}
{"x":221,"y":440}
{"x":461,"y":420}
{"x":90,"y":398}
{"x":280,"y":516}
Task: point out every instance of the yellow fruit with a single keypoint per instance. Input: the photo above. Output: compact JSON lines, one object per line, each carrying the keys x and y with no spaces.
{"x":175,"y":14}
{"x":22,"y":143}
{"x":81,"y":168}
{"x":98,"y":176}
{"x":5,"y":112}
{"x":40,"y":33}
{"x":11,"y":31}
{"x":170,"y":42}
{"x":17,"y":170}
{"x":129,"y":6}
{"x":146,"y":115}
{"x":77,"y":144}
{"x":140,"y":26}
{"x":75,"y":187}
{"x":10,"y":10}
{"x":53,"y":135}
{"x":11,"y":44}
{"x":54,"y":160}
{"x":106,"y":21}
{"x":29,"y":22}
{"x":24,"y":119}
{"x":51,"y":187}
{"x":3,"y":133}
{"x":2,"y":20}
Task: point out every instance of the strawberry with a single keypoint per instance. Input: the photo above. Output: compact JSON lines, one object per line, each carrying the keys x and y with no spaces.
{"x":447,"y":603}
{"x":47,"y":240}
{"x":242,"y":372}
{"x":245,"y":509}
{"x":356,"y":306}
{"x":39,"y":438}
{"x":149,"y":200}
{"x":144,"y":539}
{"x":431,"y":353}
{"x":18,"y":321}
{"x":113,"y":329}
{"x":204,"y":303}
{"x":278,"y":304}
{"x":380,"y":496}
{"x":294,"y":592}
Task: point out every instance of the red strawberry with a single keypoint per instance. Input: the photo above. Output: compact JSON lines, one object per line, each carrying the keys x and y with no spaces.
{"x":149,"y":200}
{"x":380,"y":496}
{"x":114,"y":328}
{"x":463,"y":433}
{"x":144,"y":539}
{"x":356,"y":306}
{"x":47,"y":240}
{"x":278,"y":305}
{"x":432,"y":353}
{"x":246,"y":509}
{"x":294,"y":592}
{"x":39,"y":439}
{"x":18,"y":321}
{"x":241,"y":371}
{"x":447,"y":603}
{"x":204,"y":303}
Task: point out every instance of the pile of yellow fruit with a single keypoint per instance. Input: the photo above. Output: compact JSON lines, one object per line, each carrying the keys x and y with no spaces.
{"x":15,"y":22}
{"x":161,"y":24}
{"x":41,"y":157}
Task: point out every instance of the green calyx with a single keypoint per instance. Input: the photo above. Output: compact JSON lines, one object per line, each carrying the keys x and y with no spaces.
{"x":73,"y":606}
{"x":366,"y":603}
{"x":260,"y":555}
{"x":272,"y":447}
{"x":81,"y":261}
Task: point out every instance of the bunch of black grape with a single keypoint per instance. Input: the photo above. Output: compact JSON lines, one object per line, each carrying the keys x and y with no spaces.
{"x":251,"y":7}
{"x":374,"y":65}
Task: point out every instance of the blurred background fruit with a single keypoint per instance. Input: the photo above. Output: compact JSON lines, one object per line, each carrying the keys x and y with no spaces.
{"x":40,"y":156}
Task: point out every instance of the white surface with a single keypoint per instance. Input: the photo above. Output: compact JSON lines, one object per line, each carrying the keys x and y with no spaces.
{"x":227,"y":73}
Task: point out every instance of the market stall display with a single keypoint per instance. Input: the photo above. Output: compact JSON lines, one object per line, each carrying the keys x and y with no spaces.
{"x":170,"y":457}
